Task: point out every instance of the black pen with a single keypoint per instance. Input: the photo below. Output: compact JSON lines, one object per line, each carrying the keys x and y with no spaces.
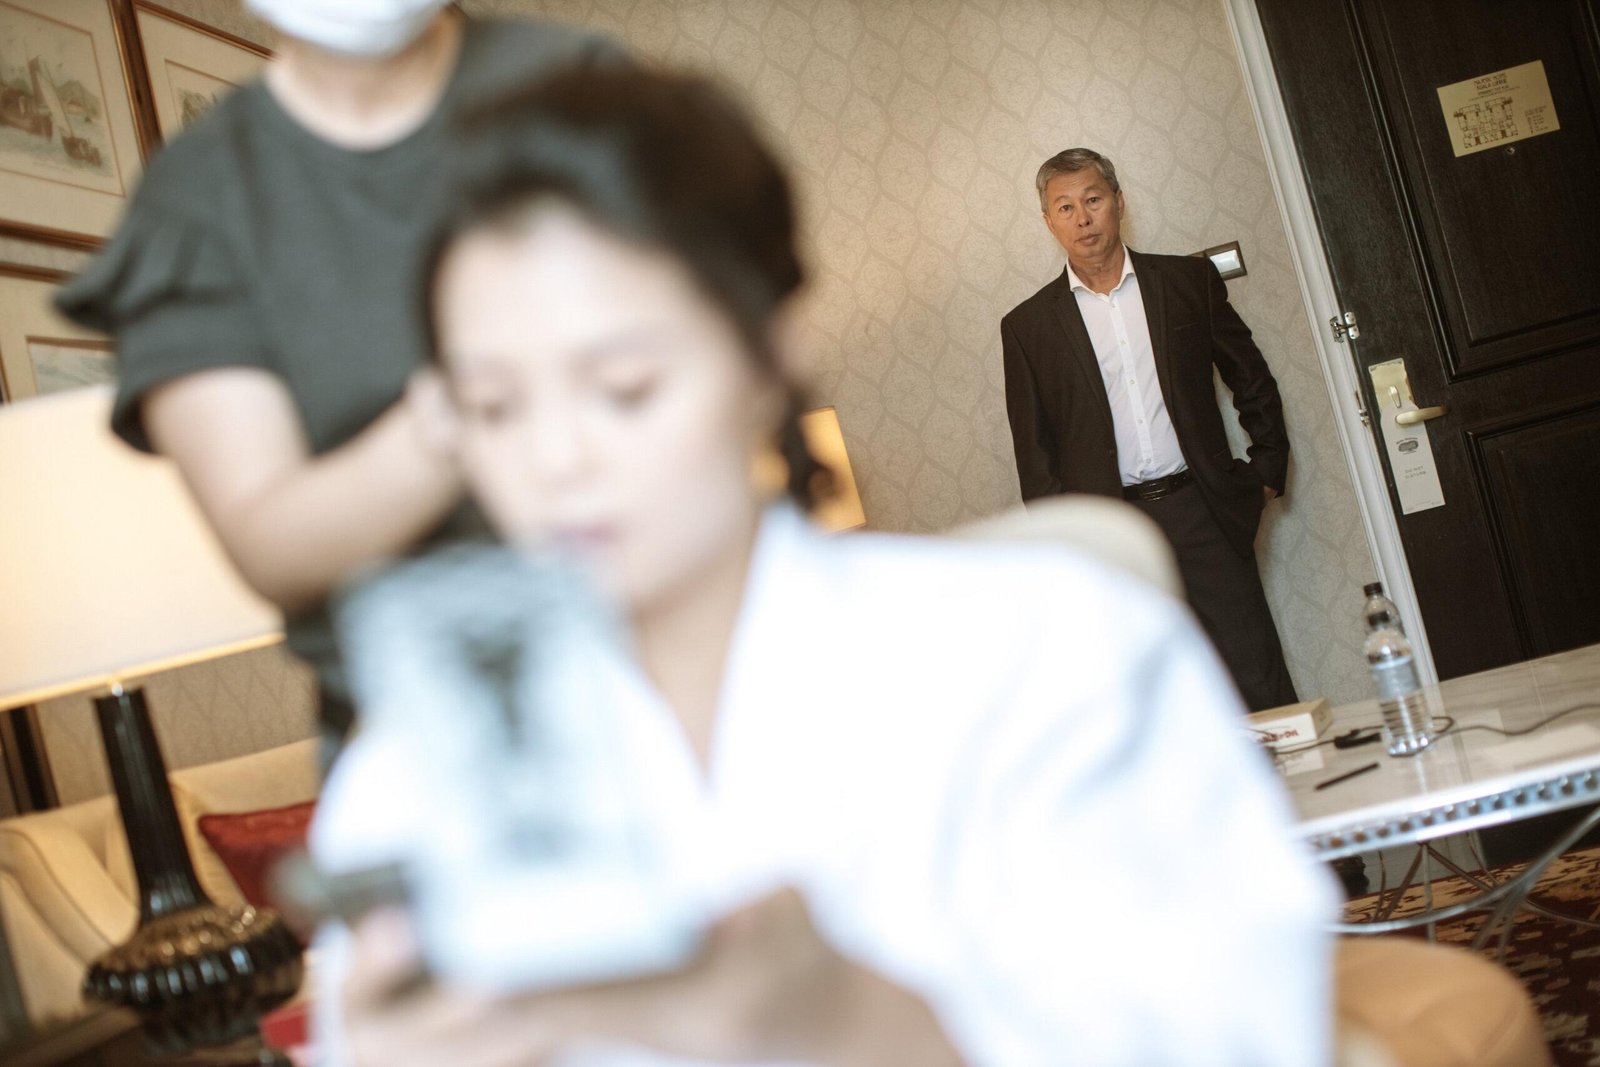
{"x":1346,"y":776}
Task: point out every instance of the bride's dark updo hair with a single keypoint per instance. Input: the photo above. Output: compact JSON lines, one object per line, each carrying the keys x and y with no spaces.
{"x":666,"y":161}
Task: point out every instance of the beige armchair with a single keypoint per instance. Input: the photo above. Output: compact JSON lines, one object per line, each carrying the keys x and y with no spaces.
{"x":1107,"y":529}
{"x":67,"y":890}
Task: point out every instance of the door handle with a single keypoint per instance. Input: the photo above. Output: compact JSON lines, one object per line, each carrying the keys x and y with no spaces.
{"x":1412,"y":418}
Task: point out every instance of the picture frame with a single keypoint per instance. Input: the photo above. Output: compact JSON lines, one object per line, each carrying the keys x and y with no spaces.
{"x":69,"y":140}
{"x":185,"y":66}
{"x":41,"y":352}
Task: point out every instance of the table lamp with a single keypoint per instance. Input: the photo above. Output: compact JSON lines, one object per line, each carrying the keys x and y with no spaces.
{"x":110,"y":574}
{"x":841,"y":508}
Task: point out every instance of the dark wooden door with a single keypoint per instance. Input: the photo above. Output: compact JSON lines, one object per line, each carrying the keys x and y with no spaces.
{"x":1481,"y":271}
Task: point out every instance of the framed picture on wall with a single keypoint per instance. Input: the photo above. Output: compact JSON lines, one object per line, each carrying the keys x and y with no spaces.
{"x":188,"y":66}
{"x":41,"y":352}
{"x":69,"y":146}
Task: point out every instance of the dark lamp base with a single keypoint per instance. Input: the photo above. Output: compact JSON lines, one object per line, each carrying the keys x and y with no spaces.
{"x":200,"y":976}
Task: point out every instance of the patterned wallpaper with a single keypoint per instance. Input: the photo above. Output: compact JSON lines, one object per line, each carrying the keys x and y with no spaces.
{"x":212,"y":711}
{"x":914,"y":128}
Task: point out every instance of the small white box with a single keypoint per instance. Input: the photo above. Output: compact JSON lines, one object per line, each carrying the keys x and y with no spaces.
{"x":1292,"y":724}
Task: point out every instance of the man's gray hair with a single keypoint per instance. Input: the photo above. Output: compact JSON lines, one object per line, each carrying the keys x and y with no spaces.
{"x":1070,"y":162}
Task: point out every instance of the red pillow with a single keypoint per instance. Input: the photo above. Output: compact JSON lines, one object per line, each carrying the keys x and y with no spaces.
{"x":288,"y":1029}
{"x":251,"y":842}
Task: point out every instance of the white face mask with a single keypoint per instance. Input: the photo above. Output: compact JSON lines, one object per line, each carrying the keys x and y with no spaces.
{"x":355,"y":27}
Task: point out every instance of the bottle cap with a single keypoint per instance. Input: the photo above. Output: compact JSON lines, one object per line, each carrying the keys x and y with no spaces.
{"x":1372,"y":589}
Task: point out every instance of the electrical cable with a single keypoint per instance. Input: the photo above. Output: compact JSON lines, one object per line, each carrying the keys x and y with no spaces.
{"x":1541,"y":724}
{"x":1360,"y":735}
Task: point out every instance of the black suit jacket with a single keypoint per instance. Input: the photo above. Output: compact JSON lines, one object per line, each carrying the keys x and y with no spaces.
{"x":1061,"y":419}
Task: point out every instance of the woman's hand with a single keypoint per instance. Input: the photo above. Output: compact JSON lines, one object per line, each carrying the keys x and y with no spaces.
{"x":395,"y":1017}
{"x":766,"y":986}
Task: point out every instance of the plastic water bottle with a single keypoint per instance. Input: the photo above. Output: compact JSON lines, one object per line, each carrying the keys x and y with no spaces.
{"x":1378,"y":604}
{"x":1407,"y":722}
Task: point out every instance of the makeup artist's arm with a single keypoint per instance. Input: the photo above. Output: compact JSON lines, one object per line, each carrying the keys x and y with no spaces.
{"x":296,"y":524}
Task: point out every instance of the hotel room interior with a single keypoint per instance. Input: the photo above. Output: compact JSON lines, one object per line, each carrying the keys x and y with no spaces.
{"x":1405,"y":249}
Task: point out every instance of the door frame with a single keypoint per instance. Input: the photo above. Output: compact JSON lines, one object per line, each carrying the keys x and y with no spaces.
{"x":1320,"y":300}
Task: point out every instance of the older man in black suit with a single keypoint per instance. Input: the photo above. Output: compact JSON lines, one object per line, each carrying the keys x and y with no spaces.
{"x":1109,"y":390}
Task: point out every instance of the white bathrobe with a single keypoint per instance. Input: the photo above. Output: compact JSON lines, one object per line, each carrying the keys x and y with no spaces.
{"x":1003,"y":776}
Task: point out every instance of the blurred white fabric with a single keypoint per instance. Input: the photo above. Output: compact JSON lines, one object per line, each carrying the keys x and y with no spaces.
{"x":1006,"y":776}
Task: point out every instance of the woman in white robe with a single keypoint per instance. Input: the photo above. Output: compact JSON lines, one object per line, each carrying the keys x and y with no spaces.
{"x":946,"y":802}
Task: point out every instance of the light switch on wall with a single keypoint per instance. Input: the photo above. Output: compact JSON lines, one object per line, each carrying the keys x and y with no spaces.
{"x":1229,"y":259}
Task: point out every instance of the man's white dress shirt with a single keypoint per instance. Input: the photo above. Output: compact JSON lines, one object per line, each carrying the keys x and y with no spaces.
{"x":1005,"y":776}
{"x":1147,"y":445}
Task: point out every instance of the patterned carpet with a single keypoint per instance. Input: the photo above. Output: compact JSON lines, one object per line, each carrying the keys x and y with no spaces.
{"x":1559,"y":962}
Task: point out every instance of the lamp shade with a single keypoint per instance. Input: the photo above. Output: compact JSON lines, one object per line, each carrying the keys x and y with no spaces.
{"x":107,"y":569}
{"x":841,"y":508}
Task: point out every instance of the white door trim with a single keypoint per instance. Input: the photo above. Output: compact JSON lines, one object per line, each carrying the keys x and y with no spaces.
{"x":1321,"y":303}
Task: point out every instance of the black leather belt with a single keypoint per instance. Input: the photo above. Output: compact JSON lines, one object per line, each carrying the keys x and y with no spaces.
{"x":1156,"y":488}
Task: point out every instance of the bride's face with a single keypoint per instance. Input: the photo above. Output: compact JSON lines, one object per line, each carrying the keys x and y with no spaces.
{"x":607,"y":407}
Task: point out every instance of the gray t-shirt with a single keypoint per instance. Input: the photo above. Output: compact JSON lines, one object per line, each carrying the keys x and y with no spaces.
{"x":251,"y":242}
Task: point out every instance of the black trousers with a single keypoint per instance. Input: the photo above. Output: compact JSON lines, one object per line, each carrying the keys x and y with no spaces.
{"x":1224,"y":592}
